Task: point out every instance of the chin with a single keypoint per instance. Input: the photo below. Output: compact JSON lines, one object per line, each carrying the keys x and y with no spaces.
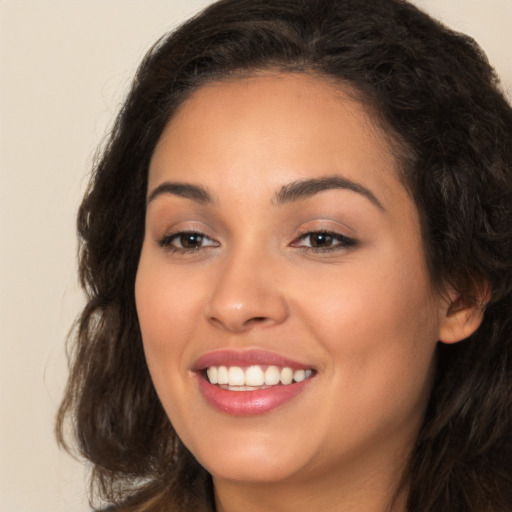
{"x":246,"y":470}
{"x":251,"y":460}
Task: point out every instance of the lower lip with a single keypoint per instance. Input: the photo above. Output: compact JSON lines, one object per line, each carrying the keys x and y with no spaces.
{"x":249,"y":403}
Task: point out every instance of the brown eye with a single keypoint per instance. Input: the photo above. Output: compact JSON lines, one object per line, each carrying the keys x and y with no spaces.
{"x":321,"y":239}
{"x":187,"y":241}
{"x":190,"y":240}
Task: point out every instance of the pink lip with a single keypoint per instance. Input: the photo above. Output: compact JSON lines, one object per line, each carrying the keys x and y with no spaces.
{"x":244,"y":358}
{"x":247,"y":403}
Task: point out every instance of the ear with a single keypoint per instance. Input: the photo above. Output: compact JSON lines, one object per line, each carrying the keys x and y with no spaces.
{"x":460,"y":321}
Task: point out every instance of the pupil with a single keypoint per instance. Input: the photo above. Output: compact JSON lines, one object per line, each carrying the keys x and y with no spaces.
{"x":321,"y":239}
{"x":191,"y":240}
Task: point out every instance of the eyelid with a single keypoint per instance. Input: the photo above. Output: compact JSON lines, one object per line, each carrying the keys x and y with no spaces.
{"x":342,"y":241}
{"x":332,"y":234}
{"x":167,"y":225}
{"x":165,"y":242}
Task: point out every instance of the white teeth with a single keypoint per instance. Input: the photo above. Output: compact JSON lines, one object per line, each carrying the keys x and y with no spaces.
{"x":212,"y":374}
{"x":242,"y":388}
{"x":272,"y":376}
{"x":254,"y":377}
{"x":222,"y":375}
{"x":286,"y":376}
{"x":298,"y":375}
{"x":236,"y":376}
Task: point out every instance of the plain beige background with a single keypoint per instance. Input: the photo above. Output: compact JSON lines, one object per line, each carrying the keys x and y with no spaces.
{"x":64,"y":68}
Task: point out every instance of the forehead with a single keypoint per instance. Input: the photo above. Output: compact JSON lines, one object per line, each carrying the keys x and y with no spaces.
{"x":270,"y":128}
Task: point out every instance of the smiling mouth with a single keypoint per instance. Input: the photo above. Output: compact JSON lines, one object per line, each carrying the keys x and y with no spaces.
{"x":255,"y":377}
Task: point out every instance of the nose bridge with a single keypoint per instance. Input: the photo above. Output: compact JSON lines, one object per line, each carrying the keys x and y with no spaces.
{"x":245,"y":291}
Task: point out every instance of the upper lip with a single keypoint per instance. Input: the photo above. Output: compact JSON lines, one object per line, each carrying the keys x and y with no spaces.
{"x":249,"y":357}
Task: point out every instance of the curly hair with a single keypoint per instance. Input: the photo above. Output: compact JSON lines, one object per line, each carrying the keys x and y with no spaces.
{"x":440,"y":102}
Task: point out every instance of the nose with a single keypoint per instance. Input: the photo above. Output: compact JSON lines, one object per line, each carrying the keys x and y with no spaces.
{"x":245,"y":294}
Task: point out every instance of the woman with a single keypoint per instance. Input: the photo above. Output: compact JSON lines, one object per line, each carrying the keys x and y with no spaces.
{"x":297,"y":253}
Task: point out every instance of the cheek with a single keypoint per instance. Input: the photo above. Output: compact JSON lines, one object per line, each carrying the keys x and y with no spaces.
{"x":165,"y":307}
{"x":167,"y":315}
{"x":379,"y":327}
{"x":363,"y":299}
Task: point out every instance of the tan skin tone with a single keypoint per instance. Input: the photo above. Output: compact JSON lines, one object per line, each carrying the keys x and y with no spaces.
{"x":357,"y":305}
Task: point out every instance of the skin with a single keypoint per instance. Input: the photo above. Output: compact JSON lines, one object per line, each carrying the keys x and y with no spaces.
{"x":364,"y":316}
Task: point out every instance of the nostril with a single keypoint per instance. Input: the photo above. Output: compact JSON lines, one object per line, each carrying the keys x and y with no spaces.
{"x":257,"y":319}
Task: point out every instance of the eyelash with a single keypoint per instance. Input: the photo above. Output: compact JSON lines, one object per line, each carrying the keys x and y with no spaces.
{"x":167,"y":242}
{"x":341,"y":242}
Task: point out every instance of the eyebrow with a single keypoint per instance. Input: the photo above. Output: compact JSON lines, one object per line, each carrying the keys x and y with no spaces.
{"x":295,"y":191}
{"x":302,"y":189}
{"x":186,"y":190}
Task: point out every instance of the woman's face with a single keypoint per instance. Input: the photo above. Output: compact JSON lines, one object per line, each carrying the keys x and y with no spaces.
{"x":283,"y":257}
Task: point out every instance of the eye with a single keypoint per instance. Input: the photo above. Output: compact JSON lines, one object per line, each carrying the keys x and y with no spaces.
{"x":320,"y":241}
{"x":187,"y":241}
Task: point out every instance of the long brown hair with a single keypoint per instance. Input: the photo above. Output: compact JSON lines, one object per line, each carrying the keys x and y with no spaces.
{"x":439,"y":100}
